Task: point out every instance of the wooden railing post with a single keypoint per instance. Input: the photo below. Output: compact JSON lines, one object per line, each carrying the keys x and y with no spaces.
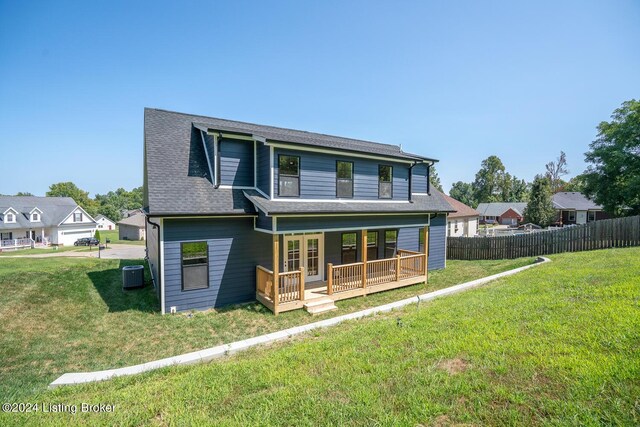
{"x":276,"y":272}
{"x":301,"y":290}
{"x":397,"y":267}
{"x":364,"y":258}
{"x":329,"y":279}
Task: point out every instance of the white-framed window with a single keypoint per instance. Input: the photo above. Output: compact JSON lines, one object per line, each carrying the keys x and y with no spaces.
{"x":591,"y":216}
{"x":77,"y":217}
{"x":9,"y":218}
{"x":35,"y":217}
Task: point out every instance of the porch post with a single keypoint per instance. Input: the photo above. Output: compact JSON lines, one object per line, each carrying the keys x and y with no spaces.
{"x":364,"y":258}
{"x":329,"y":279}
{"x":276,"y":272}
{"x":426,"y":253}
{"x":301,"y":289}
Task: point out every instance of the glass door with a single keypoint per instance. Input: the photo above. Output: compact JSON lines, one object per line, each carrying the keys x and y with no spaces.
{"x":307,"y":251}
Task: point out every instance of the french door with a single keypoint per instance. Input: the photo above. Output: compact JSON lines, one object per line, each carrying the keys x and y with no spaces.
{"x":306,"y":250}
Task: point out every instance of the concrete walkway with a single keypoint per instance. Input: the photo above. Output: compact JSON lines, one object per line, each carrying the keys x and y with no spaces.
{"x":227,"y":349}
{"x":115,"y":251}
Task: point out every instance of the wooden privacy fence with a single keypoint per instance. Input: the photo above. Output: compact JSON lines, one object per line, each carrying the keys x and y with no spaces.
{"x":608,"y":233}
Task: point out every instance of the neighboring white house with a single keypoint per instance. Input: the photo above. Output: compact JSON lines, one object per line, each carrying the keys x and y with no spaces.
{"x":464,"y":221}
{"x":105,"y":223}
{"x":42,"y":220}
{"x":132,"y":228}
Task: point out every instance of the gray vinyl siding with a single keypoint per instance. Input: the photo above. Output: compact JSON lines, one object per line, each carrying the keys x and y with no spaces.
{"x":236,"y":162}
{"x":264,"y":222}
{"x":153,"y":255}
{"x":318,"y":176}
{"x":437,"y":242}
{"x":264,"y":169}
{"x":419,"y":178}
{"x":289,"y":224}
{"x":234,"y":251}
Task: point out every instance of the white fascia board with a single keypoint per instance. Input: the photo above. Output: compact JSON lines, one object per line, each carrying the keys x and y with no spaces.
{"x":341,"y":153}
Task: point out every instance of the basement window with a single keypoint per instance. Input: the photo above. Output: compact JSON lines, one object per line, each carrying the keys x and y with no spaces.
{"x":195,"y":265}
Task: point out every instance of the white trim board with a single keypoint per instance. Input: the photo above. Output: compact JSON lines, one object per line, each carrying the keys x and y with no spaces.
{"x":212,"y":353}
{"x":344,"y":153}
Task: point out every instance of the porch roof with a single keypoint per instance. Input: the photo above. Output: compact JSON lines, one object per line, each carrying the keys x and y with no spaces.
{"x":433,"y":203}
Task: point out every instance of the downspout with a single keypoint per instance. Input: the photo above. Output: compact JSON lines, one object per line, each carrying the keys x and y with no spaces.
{"x":411,"y":181}
{"x":159,"y":278}
{"x":429,"y":178}
{"x":216,"y":149}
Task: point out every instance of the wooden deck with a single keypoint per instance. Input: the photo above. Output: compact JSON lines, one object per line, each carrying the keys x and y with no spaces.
{"x":343,"y":281}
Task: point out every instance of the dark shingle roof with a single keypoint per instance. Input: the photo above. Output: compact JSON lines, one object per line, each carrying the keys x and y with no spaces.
{"x":54,"y":210}
{"x":421,"y":203}
{"x":573,"y":200}
{"x":461,"y":210}
{"x":177,"y":176}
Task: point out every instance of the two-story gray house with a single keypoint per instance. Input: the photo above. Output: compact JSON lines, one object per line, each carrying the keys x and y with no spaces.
{"x":239,"y":212}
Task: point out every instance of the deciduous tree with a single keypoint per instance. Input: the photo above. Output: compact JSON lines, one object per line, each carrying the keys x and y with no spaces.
{"x":540,"y":209}
{"x":463,"y":192}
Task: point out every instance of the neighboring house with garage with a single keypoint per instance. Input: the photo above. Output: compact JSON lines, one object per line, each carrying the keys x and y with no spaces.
{"x":464,"y":221}
{"x":27,"y":221}
{"x":104,"y":223}
{"x":132,"y":228}
{"x":576,"y":208}
{"x":239,"y":212}
{"x":503,"y":213}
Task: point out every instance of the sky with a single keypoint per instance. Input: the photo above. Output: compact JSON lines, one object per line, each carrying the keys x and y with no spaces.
{"x":456,"y":81}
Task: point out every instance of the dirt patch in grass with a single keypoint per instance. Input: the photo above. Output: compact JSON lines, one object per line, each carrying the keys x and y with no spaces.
{"x":453,"y":366}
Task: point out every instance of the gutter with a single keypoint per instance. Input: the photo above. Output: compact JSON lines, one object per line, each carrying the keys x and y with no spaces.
{"x":159,"y":257}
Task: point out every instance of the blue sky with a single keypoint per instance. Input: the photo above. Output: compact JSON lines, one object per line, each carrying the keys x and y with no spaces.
{"x":457,"y":81}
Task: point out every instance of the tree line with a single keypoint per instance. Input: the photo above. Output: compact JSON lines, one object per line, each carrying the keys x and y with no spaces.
{"x":612,"y":178}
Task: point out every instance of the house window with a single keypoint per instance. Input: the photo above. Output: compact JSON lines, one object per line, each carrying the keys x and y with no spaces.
{"x":591,"y":216}
{"x":385,"y":188}
{"x":390,"y":243}
{"x":572,"y":216}
{"x":6,"y":236}
{"x":35,"y":217}
{"x":195,"y":265}
{"x":289,"y":176}
{"x":372,"y":245}
{"x":344,"y":179}
{"x":421,"y":240}
{"x":77,"y":217}
{"x":349,"y":248}
{"x":10,"y":218}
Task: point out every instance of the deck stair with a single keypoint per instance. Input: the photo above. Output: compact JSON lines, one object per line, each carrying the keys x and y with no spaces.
{"x":320,"y":305}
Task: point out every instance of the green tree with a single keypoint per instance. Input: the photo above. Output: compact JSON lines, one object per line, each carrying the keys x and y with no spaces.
{"x":81,"y":197}
{"x":463,"y":192}
{"x":540,"y":209}
{"x":434,"y":179}
{"x":23,"y":193}
{"x":574,"y":184}
{"x":555,"y":171}
{"x":114,"y":202}
{"x":613,"y":176}
{"x":489,"y":181}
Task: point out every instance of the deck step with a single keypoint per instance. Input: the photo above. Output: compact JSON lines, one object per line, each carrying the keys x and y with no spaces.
{"x":320,"y":305}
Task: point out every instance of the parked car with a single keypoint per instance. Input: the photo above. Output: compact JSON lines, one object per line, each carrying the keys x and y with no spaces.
{"x":86,"y":241}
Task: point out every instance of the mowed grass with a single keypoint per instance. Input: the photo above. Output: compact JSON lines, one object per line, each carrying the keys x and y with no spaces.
{"x":68,"y":315}
{"x":38,"y":251}
{"x":558,"y":344}
{"x":114,"y":237}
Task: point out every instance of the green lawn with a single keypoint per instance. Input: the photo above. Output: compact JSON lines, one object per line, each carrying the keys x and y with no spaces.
{"x":558,"y":344}
{"x":115,"y":238}
{"x":66,"y":314}
{"x":37,"y":251}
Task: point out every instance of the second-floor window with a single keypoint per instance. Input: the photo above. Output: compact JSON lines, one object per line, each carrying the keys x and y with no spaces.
{"x":77,"y":217}
{"x":344,"y":179}
{"x":35,"y":217}
{"x":385,"y":178}
{"x":288,"y":176}
{"x":10,"y":218}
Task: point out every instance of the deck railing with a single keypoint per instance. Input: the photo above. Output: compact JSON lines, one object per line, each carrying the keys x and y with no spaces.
{"x":405,"y":265}
{"x":290,"y":285}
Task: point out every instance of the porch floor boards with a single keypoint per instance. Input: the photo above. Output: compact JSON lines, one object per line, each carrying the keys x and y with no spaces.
{"x":317,"y":290}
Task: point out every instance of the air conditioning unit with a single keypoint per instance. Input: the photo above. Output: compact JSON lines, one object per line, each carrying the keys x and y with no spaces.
{"x":132,"y":277}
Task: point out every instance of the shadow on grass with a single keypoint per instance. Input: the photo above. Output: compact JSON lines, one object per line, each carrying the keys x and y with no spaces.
{"x":108,"y":283}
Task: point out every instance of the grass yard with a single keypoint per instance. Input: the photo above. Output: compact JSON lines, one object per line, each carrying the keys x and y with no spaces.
{"x":66,"y":314}
{"x":558,"y":344}
{"x":115,"y":237}
{"x":49,"y":250}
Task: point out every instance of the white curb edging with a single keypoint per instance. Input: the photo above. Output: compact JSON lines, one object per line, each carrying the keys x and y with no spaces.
{"x":227,"y":349}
